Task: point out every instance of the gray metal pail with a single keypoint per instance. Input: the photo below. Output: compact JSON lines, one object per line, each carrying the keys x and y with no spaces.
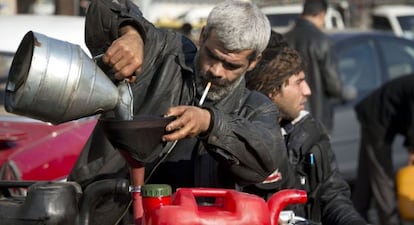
{"x":55,"y":81}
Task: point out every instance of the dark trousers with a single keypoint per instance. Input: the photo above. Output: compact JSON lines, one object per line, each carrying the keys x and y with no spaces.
{"x":376,"y":178}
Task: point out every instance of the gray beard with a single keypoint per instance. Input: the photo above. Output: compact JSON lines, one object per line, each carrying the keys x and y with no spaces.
{"x":216,"y":93}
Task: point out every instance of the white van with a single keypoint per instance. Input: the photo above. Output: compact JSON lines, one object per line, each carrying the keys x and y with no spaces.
{"x":66,"y":28}
{"x":398,"y":19}
{"x":283,"y":17}
{"x":14,"y":27}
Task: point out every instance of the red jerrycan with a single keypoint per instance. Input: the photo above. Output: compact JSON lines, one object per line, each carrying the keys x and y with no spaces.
{"x":228,"y":207}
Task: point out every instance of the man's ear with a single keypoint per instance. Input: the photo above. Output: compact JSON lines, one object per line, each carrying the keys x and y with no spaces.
{"x":254,"y":62}
{"x":270,"y":95}
{"x":321,"y":17}
{"x":201,"y":38}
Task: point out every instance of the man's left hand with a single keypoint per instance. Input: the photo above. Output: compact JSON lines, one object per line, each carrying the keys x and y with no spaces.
{"x":190,"y":122}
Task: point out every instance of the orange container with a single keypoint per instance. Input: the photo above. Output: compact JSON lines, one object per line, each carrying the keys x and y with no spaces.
{"x":405,"y":192}
{"x":228,"y":207}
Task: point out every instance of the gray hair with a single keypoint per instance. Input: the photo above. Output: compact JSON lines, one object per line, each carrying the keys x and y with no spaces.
{"x":240,"y":25}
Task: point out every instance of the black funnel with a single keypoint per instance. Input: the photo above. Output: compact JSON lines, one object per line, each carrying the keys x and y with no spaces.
{"x":140,"y":137}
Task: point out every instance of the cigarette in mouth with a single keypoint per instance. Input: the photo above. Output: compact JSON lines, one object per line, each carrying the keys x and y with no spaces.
{"x":203,"y":97}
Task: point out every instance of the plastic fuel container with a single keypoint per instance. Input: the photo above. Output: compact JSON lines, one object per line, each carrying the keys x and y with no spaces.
{"x":207,"y":206}
{"x":405,"y":192}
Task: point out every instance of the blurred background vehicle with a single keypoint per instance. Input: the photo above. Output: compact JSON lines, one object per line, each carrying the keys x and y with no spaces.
{"x":366,"y":60}
{"x":398,"y":19}
{"x":31,"y":149}
{"x":282,"y":17}
{"x":34,"y":150}
{"x":67,"y":28}
{"x":196,"y":17}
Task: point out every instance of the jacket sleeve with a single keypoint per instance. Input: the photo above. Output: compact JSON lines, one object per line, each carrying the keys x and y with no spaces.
{"x":249,"y":143}
{"x":105,"y":17}
{"x":329,"y":70}
{"x":103,"y":20}
{"x":337,"y":207}
{"x":168,"y":56}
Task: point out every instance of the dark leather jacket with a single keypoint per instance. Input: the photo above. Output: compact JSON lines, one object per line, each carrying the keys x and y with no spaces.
{"x":243,"y":145}
{"x":321,"y":68}
{"x":328,"y":193}
{"x":331,"y":190}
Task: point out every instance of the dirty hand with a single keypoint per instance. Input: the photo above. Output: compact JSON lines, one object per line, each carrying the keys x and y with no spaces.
{"x":190,"y":122}
{"x":125,"y":55}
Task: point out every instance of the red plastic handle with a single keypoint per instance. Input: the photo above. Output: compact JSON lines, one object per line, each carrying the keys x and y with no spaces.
{"x":281,"y":199}
{"x":187,"y":196}
{"x":209,"y":192}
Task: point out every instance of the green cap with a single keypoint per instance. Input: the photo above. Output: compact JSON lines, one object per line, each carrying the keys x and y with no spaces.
{"x":155,"y":190}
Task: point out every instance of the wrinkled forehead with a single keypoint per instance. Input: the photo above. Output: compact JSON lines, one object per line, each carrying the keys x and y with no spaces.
{"x":214,"y":46}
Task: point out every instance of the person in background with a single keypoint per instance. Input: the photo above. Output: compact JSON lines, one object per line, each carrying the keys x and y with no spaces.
{"x":383,"y":114}
{"x":323,"y":77}
{"x":230,"y":140}
{"x":280,"y":76}
{"x":186,"y":29}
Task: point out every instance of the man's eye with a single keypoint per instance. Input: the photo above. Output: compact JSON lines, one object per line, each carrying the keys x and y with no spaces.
{"x":230,"y":66}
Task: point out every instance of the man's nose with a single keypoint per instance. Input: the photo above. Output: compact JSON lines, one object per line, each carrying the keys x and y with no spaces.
{"x":216,"y":71}
{"x":306,"y":89}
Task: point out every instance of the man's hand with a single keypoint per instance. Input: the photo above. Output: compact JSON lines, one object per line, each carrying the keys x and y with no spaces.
{"x":126,"y":54}
{"x":190,"y":122}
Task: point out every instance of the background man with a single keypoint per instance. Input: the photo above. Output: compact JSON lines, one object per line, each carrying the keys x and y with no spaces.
{"x":383,"y":114}
{"x":323,"y":77}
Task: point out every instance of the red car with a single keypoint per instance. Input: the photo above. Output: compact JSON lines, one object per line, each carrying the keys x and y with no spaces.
{"x":34,"y":150}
